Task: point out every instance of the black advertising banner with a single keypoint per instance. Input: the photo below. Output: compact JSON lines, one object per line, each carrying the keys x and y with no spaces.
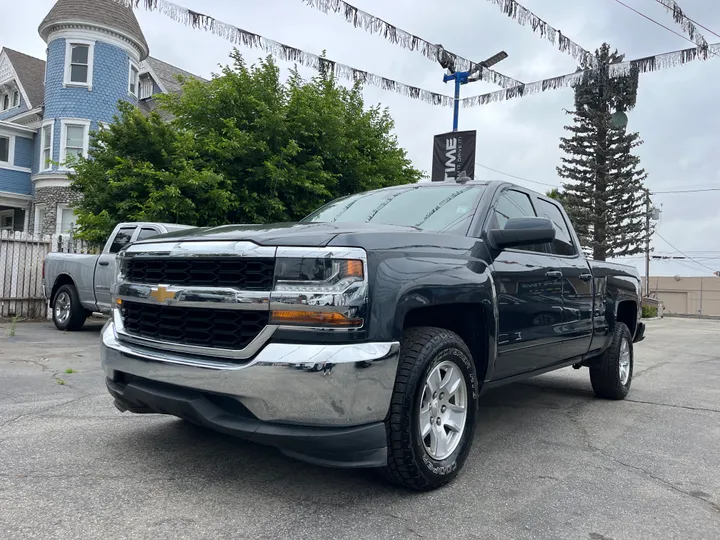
{"x":452,"y":153}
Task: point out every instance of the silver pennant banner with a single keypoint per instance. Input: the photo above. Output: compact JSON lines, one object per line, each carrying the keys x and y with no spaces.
{"x":643,"y":65}
{"x":238,"y":36}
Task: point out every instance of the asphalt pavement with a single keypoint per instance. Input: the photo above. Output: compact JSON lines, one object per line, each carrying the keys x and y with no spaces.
{"x":549,"y":461}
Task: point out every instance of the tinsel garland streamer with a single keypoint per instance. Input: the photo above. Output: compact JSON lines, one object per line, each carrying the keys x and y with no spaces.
{"x":238,"y":36}
{"x":397,"y":36}
{"x":525,"y":17}
{"x":643,"y":65}
{"x":686,"y":24}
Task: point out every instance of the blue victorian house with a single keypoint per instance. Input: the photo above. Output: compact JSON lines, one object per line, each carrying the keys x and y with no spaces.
{"x":96,"y":56}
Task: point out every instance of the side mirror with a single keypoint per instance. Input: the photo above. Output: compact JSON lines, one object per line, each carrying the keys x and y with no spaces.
{"x":521,"y":232}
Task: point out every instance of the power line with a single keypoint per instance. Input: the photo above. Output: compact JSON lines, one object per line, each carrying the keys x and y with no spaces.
{"x":704,"y":46}
{"x":407,"y":40}
{"x":654,"y":21}
{"x":516,"y":177}
{"x":685,"y":254}
{"x":685,"y":191}
{"x":671,"y":5}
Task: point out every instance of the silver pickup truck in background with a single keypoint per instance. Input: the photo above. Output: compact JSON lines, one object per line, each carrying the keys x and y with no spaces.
{"x":79,"y":285}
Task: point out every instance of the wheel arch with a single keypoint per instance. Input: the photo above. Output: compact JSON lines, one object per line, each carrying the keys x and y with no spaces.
{"x":60,"y":280}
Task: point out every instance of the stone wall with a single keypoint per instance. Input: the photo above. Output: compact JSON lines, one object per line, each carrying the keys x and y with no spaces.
{"x":51,"y":197}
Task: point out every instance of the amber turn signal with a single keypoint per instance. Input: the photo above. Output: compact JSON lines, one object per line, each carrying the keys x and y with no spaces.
{"x":313,"y":318}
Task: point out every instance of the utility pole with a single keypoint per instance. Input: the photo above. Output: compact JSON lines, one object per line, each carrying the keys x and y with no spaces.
{"x":447,"y":61}
{"x":647,"y":242}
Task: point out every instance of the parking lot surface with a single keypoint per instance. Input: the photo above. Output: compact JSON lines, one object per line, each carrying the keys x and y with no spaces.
{"x":549,"y":461}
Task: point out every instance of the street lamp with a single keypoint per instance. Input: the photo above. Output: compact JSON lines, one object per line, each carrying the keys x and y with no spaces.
{"x":447,"y":61}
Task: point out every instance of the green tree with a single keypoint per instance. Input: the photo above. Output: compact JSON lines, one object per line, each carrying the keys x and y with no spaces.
{"x":242,"y":148}
{"x":144,"y":169}
{"x":288,"y":148}
{"x":556,"y":194}
{"x":605,"y":194}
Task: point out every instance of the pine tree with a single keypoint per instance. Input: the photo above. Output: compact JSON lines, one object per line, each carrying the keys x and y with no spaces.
{"x":605,"y":195}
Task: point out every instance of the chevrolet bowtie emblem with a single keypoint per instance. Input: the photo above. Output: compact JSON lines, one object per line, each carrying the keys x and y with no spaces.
{"x":161,"y":294}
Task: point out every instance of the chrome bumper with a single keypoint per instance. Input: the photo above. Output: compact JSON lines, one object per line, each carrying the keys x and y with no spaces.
{"x":353,"y":385}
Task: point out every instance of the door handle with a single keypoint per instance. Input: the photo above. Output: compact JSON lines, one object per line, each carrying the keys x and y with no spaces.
{"x":104,"y":263}
{"x":586,"y":277}
{"x":555,"y":274}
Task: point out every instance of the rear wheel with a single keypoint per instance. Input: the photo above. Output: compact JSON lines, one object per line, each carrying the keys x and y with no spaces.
{"x":68,"y":313}
{"x":433,"y":411}
{"x":611,"y":374}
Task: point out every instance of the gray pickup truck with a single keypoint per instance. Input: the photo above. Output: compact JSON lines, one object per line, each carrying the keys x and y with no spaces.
{"x":79,"y":285}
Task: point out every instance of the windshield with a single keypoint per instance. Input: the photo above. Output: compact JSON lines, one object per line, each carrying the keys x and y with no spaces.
{"x":446,"y":209}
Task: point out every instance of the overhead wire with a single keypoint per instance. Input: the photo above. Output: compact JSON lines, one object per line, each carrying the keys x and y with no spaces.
{"x":683,"y":253}
{"x":516,"y":177}
{"x":707,"y":48}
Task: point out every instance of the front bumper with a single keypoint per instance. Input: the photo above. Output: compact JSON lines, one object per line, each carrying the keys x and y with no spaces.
{"x":323,"y":403}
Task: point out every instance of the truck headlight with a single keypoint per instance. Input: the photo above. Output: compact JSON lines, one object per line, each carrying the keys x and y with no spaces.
{"x":319,"y":287}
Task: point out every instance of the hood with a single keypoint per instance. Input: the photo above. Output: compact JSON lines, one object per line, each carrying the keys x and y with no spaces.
{"x":279,"y":234}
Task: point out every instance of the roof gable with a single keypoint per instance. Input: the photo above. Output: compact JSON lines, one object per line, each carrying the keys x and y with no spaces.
{"x":165,"y":74}
{"x":29,"y":73}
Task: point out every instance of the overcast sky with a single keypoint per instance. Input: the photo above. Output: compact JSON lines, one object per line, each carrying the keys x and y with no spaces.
{"x":678,"y":112}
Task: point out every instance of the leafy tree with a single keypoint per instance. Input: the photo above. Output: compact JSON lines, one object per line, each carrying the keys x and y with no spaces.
{"x":605,"y":195}
{"x":242,"y":148}
{"x":556,"y":194}
{"x":144,"y":169}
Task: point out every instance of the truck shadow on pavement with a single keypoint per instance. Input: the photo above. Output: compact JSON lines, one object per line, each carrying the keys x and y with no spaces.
{"x":175,"y":449}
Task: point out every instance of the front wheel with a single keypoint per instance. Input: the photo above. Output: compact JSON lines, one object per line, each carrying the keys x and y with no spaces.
{"x":612,"y":373}
{"x":433,"y":410}
{"x":68,"y":313}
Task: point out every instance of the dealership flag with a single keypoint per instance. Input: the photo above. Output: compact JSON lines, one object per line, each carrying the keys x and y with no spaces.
{"x":453,"y":153}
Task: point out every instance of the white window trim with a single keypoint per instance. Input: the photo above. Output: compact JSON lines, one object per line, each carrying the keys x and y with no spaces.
{"x":64,"y":122}
{"x":11,"y":151}
{"x":37,"y":229}
{"x":58,"y":216}
{"x":137,"y":81}
{"x":68,"y":58}
{"x":11,"y":97}
{"x":41,"y":164}
{"x":5,"y":213}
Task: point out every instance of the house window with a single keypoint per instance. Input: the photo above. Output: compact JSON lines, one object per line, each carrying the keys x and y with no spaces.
{"x":133,"y":84}
{"x":4,"y":149}
{"x":16,"y":99}
{"x":79,"y":64}
{"x":46,"y":146}
{"x":6,"y":102}
{"x":66,"y":220}
{"x":39,"y":218}
{"x":74,"y":139}
{"x":146,"y":87}
{"x":7,"y":220}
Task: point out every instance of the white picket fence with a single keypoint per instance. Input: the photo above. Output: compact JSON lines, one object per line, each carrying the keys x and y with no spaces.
{"x":21,"y":268}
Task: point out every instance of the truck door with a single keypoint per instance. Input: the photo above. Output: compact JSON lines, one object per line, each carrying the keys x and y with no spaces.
{"x":529,"y":294}
{"x":577,"y":279}
{"x":106,"y":268}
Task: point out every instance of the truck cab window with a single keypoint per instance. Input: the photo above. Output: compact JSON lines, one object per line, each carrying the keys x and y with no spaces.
{"x":146,"y":232}
{"x":122,"y":238}
{"x":514,"y":204}
{"x":563,"y":244}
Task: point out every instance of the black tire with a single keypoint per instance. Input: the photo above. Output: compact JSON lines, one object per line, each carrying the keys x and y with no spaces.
{"x":77,"y":316}
{"x":605,"y":371}
{"x":409,"y":464}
